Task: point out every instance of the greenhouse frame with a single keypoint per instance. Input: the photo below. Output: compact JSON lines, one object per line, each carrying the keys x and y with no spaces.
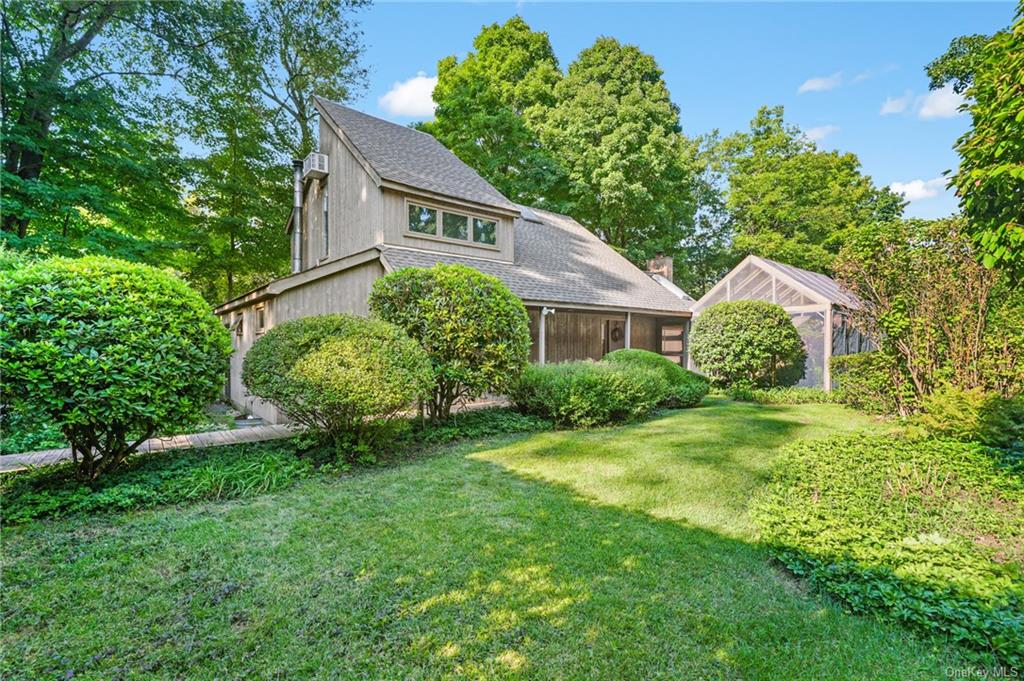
{"x":819,"y":307}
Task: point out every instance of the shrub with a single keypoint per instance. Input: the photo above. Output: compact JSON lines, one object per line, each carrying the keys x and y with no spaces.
{"x":783,"y":395}
{"x":686,"y":389}
{"x":477,"y":423}
{"x":476,"y":332}
{"x":748,"y":342}
{"x":157,"y":478}
{"x":933,"y":310}
{"x":345,"y":378}
{"x":109,"y":352}
{"x":973,"y":416}
{"x":925,"y":532}
{"x":585,"y":394}
{"x":871,"y":382}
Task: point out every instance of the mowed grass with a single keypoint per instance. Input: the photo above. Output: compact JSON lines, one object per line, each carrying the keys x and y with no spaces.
{"x":615,"y":554}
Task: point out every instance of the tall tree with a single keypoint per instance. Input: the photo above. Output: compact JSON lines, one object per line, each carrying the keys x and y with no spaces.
{"x":78,"y":66}
{"x":304,"y":47}
{"x":490,"y":106}
{"x":616,"y":132}
{"x":990,"y":180}
{"x":239,"y":198}
{"x":789,"y":200}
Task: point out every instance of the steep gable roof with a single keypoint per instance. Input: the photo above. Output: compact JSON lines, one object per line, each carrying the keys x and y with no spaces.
{"x":412,"y":158}
{"x":557,"y":260}
{"x":807,"y":286}
{"x":824,"y":285}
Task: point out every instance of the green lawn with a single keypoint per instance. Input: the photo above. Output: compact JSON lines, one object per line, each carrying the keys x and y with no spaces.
{"x":619,"y":554}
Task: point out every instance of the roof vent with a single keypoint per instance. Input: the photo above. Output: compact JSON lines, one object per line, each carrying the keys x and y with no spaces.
{"x":314,"y":166}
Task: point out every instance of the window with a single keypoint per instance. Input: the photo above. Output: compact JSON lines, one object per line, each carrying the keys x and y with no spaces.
{"x":239,"y":316}
{"x":325,"y":229}
{"x":261,"y":319}
{"x":422,"y":220}
{"x":484,"y":231}
{"x":455,"y":226}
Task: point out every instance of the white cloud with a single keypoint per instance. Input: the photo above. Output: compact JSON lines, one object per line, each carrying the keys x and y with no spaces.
{"x":917,"y":190}
{"x":821,"y":83}
{"x":942,"y":103}
{"x":412,"y":97}
{"x":820,"y":132}
{"x":895,"y":105}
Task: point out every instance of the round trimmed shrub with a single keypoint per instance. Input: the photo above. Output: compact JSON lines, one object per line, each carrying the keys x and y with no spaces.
{"x":686,"y":389}
{"x":923,"y":532}
{"x":108,"y":351}
{"x":475,"y":330}
{"x":748,"y":343}
{"x":585,"y":394}
{"x":344,"y":378}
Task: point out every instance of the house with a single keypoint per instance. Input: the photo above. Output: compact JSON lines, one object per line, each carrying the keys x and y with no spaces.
{"x":379,"y":197}
{"x":819,"y":307}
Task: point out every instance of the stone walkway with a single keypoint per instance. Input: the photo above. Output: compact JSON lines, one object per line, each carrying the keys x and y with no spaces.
{"x":47,"y":457}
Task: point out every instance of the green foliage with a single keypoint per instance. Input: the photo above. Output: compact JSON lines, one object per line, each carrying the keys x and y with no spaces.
{"x":158,"y":478}
{"x":958,"y":64}
{"x":26,"y":432}
{"x":749,"y":343}
{"x":935,"y":313}
{"x":973,"y":415}
{"x":474,"y":424}
{"x":490,"y":105}
{"x":587,"y":394}
{"x":923,"y":532}
{"x":789,"y":200}
{"x":109,"y":352}
{"x":475,"y":330}
{"x":990,"y":180}
{"x":686,"y":389}
{"x":344,"y":378}
{"x":615,"y":131}
{"x":871,"y":382}
{"x":783,"y":395}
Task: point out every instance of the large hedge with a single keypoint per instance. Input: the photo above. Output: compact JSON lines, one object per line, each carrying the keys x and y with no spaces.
{"x":110,"y":352}
{"x":344,"y":378}
{"x":686,"y":389}
{"x":749,"y":343}
{"x":475,"y":330}
{"x":924,"y":532}
{"x":585,"y":394}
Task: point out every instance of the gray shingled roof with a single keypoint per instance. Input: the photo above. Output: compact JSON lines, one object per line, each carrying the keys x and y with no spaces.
{"x":825,"y":286}
{"x":559,"y":261}
{"x":413,"y":158}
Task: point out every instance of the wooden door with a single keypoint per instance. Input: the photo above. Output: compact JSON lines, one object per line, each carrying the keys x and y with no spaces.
{"x":614,"y":335}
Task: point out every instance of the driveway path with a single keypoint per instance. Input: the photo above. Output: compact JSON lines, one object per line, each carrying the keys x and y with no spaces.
{"x":46,"y":457}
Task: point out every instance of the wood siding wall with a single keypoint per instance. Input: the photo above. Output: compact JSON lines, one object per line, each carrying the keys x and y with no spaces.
{"x":346,"y":291}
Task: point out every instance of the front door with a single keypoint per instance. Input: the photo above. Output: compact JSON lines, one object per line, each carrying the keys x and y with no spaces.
{"x":614,"y":335}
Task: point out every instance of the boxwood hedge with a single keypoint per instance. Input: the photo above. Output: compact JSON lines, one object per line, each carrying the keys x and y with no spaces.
{"x":924,"y":532}
{"x":686,"y":389}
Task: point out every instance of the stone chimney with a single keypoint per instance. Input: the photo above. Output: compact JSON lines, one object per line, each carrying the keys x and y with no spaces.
{"x":660,"y":264}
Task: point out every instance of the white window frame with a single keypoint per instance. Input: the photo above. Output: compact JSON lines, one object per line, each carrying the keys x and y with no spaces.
{"x":325,"y":226}
{"x":438,"y":234}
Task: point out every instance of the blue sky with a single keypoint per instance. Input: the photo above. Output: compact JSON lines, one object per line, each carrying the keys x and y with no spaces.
{"x":833,"y":66}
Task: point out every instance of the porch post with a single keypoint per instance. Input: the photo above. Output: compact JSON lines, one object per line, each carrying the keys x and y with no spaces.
{"x":541,"y":337}
{"x":629,"y":329}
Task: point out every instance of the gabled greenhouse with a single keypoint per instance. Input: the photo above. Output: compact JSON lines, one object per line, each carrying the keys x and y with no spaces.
{"x":819,"y":307}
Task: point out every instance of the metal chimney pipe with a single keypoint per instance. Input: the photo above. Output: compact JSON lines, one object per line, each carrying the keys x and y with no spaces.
{"x":297,"y":217}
